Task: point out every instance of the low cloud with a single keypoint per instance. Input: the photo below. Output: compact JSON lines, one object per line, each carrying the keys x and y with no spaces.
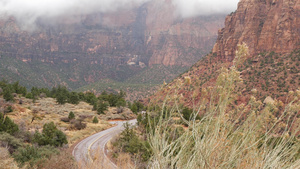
{"x":28,"y":12}
{"x":190,"y":8}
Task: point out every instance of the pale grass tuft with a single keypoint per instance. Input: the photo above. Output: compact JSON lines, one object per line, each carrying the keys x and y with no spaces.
{"x":6,"y":162}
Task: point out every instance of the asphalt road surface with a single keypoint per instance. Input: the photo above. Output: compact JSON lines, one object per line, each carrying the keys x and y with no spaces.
{"x":93,"y":147}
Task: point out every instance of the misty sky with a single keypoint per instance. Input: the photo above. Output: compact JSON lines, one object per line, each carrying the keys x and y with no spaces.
{"x":28,"y":11}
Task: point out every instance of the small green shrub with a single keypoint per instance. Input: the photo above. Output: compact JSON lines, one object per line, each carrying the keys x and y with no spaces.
{"x":50,"y":136}
{"x":34,"y":155}
{"x":71,"y":115}
{"x":7,"y":140}
{"x":77,"y":124}
{"x":7,"y":125}
{"x":95,"y":120}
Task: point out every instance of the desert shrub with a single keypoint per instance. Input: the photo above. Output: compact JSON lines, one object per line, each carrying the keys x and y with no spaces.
{"x":77,"y":124}
{"x":95,"y":120}
{"x":71,"y":115}
{"x":65,"y":119}
{"x":90,"y":98}
{"x":62,"y":95}
{"x":43,"y":95}
{"x":9,"y":109}
{"x":113,"y":99}
{"x":102,"y":106}
{"x":24,"y":135}
{"x":136,"y":106}
{"x":62,"y":160}
{"x":129,"y":142}
{"x":20,"y":101}
{"x":73,"y":98}
{"x":95,"y":107}
{"x":7,"y":94}
{"x":34,"y":155}
{"x":7,"y":125}
{"x":26,"y":154}
{"x":9,"y":141}
{"x":84,"y":116}
{"x":50,"y":136}
{"x":120,"y":110}
{"x":29,"y":96}
{"x":121,"y":103}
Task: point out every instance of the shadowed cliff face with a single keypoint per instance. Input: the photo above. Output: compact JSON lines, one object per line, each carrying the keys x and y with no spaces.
{"x":265,"y":25}
{"x":82,"y":50}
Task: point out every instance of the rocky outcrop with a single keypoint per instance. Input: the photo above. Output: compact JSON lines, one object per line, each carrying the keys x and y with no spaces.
{"x":264,"y":25}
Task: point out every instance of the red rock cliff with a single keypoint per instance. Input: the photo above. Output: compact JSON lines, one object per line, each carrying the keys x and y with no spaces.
{"x":265,"y":25}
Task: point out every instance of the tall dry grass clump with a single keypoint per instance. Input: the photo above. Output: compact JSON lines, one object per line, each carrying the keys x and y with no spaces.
{"x":228,"y":136}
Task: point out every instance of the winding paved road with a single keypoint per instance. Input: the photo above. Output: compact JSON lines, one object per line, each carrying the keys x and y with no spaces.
{"x":83,"y":151}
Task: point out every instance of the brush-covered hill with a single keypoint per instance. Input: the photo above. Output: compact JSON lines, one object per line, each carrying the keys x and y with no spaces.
{"x":271,"y":31}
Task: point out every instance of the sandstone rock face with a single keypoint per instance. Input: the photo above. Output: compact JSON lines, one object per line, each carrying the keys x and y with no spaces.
{"x":175,"y":41}
{"x":265,"y":25}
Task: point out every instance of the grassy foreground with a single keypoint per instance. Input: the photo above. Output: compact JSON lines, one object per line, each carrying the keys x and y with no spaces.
{"x":252,"y":135}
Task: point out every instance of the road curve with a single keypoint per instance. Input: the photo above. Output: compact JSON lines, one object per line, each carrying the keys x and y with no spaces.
{"x":84,"y":151}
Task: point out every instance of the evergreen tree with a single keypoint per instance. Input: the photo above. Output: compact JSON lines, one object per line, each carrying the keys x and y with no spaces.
{"x":16,"y":87}
{"x":7,"y":94}
{"x":134,"y":108}
{"x":50,"y":136}
{"x":90,"y":98}
{"x":121,"y":102}
{"x":74,"y":98}
{"x":95,"y":106}
{"x":62,"y":95}
{"x":29,"y":96}
{"x":7,"y":125}
{"x":102,"y":107}
{"x":71,"y":115}
{"x":95,"y":120}
{"x":23,"y":91}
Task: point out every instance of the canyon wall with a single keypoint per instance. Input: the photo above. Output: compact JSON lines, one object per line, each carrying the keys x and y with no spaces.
{"x":264,"y":25}
{"x":150,"y":34}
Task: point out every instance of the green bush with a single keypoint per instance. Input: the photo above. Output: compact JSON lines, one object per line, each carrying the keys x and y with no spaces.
{"x":7,"y":125}
{"x":9,"y":109}
{"x":29,"y":96}
{"x":74,"y":98}
{"x":33,"y":155}
{"x":50,"y":136}
{"x":7,"y":94}
{"x":95,"y":120}
{"x":62,"y":95}
{"x":71,"y":115}
{"x":136,"y":106}
{"x":10,"y":141}
{"x":77,"y":124}
{"x":102,"y":106}
{"x":129,"y":142}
